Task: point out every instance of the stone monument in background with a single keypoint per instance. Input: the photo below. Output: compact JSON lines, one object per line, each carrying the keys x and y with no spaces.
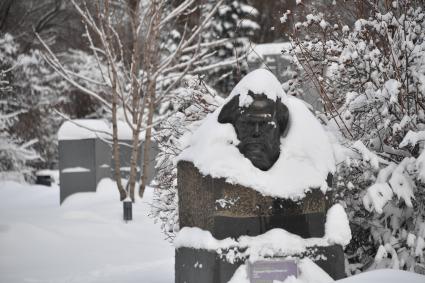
{"x":85,"y":155}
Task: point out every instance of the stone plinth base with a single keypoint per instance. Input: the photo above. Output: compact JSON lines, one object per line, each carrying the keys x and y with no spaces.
{"x":195,"y":266}
{"x":228,"y":210}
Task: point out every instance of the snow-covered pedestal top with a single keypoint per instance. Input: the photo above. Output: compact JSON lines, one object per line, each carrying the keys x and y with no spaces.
{"x":306,"y":155}
{"x":276,"y":242}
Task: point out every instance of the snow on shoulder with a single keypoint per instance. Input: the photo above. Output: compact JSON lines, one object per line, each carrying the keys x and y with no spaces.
{"x":83,"y":129}
{"x":306,"y":155}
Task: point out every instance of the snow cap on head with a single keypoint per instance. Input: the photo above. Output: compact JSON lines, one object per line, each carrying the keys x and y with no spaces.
{"x":260,"y":81}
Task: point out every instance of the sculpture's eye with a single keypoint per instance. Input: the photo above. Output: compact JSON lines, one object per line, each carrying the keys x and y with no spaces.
{"x":244,"y":123}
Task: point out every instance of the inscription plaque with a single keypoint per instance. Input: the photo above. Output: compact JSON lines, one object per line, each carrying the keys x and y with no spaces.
{"x":266,"y":271}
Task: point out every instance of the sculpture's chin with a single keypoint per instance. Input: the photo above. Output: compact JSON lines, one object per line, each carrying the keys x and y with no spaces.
{"x":261,"y":164}
{"x":258,"y":154}
{"x":255,"y":152}
{"x":259,"y":160}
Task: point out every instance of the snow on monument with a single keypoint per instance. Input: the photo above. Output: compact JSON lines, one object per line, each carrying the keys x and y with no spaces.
{"x":85,"y":155}
{"x":306,"y":156}
{"x":84,"y":158}
{"x":260,"y":164}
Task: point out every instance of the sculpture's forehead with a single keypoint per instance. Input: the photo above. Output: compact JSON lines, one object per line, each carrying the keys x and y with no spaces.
{"x":261,"y":107}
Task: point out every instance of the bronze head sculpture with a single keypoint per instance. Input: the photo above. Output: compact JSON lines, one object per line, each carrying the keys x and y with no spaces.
{"x":258,"y":127}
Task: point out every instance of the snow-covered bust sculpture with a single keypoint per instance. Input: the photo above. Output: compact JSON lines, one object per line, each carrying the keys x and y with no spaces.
{"x":258,"y":127}
{"x":262,"y":139}
{"x":255,"y":166}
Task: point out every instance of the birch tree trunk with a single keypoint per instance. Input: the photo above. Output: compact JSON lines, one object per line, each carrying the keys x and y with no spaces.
{"x":152,"y":63}
{"x":147,"y":144}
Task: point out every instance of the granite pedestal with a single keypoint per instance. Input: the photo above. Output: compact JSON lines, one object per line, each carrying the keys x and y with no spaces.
{"x":228,"y":210}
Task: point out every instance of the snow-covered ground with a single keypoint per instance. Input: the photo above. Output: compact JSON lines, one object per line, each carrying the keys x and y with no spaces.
{"x":385,"y":276}
{"x":84,"y":240}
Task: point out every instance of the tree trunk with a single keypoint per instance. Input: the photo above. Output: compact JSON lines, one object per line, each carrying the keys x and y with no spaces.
{"x":148,"y":136}
{"x":137,"y":116}
{"x":116,"y":149}
{"x":133,"y":164}
{"x":152,"y":63}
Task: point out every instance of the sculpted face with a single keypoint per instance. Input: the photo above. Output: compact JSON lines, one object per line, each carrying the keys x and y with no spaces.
{"x":258,"y":128}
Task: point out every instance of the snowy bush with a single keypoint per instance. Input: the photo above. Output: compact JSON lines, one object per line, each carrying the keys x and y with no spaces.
{"x":14,"y":153}
{"x":371,"y":78}
{"x":34,"y":91}
{"x":187,"y":105}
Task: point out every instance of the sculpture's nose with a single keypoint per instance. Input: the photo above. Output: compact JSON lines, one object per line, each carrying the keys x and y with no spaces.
{"x":256,"y":132}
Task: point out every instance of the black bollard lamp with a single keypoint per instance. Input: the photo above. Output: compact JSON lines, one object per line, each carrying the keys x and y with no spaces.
{"x":128,"y":210}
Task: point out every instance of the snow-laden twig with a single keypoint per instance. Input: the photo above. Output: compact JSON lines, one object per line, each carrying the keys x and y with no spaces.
{"x":219,"y":64}
{"x":177,"y":11}
{"x":412,"y":138}
{"x":54,"y":62}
